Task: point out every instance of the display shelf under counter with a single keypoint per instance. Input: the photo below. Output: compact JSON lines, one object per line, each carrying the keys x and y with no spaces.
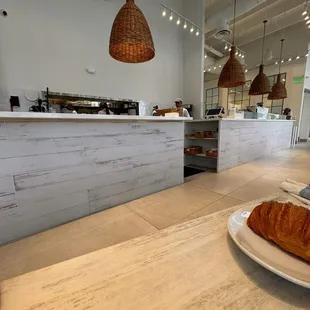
{"x":55,"y":168}
{"x":235,"y":141}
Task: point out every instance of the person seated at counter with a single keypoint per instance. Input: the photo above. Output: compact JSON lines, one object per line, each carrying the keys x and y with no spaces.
{"x":104,"y":109}
{"x":179,"y":103}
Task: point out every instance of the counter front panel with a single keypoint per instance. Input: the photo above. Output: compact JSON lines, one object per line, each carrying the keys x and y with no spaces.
{"x":55,"y":172}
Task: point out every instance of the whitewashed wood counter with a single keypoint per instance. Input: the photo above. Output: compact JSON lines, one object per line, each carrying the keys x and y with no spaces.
{"x":194,"y":265}
{"x":55,"y":168}
{"x":239,"y":140}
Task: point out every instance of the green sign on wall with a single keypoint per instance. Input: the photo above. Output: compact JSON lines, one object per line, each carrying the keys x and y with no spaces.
{"x":298,"y":79}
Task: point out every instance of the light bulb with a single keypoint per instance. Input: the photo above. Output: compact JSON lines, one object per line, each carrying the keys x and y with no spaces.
{"x":209,"y":69}
{"x":206,"y":55}
{"x":308,"y":22}
{"x":237,"y":53}
{"x":185,"y":25}
{"x":192,"y":29}
{"x":164,"y":12}
{"x":242,"y":56}
{"x":220,"y":66}
{"x":304,"y":13}
{"x":214,"y":68}
{"x":197,"y":32}
{"x":307,"y":17}
{"x":307,"y":55}
{"x":246,"y":70}
{"x":309,"y":26}
{"x":226,"y":47}
{"x":283,"y":80}
{"x":290,"y":59}
{"x":178,"y":21}
{"x":282,"y":61}
{"x":171,"y":16}
{"x":297,"y":57}
{"x":204,"y":71}
{"x":276,"y":63}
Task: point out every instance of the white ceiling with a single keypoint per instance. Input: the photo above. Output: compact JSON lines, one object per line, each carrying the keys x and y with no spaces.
{"x":280,"y":14}
{"x":285,"y":20}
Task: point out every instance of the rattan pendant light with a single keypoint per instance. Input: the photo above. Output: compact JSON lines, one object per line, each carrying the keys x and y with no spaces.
{"x":232,"y":74}
{"x":278,"y":89}
{"x":131,"y":39}
{"x":261,"y":85}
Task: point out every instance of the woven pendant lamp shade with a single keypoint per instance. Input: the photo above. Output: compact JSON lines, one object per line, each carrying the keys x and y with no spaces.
{"x":131,"y":39}
{"x":232,"y":74}
{"x":260,"y":85}
{"x":278,"y":90}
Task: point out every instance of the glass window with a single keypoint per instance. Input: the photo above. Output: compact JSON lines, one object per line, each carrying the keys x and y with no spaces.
{"x":212,"y":98}
{"x":239,"y":97}
{"x":275,"y":106}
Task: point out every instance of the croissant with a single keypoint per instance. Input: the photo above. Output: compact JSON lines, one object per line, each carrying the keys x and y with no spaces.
{"x":285,"y":224}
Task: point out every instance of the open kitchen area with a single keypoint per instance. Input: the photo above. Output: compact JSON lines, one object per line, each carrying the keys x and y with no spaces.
{"x":154,"y":155}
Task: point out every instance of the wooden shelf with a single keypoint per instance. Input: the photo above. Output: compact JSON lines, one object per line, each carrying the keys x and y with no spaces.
{"x":193,"y":138}
{"x":206,"y":169}
{"x":201,"y":155}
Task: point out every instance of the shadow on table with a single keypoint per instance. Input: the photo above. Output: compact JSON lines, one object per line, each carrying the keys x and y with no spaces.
{"x":274,"y":285}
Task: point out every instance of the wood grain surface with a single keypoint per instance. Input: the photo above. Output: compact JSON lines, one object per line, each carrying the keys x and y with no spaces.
{"x":194,"y":265}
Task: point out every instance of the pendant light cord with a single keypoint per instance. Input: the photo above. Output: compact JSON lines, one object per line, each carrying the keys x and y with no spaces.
{"x":281,"y":55}
{"x":234,"y":28}
{"x":265,"y":22}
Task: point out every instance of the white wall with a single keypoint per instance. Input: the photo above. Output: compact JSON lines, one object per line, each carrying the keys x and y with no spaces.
{"x":305,"y":109}
{"x":50,"y":43}
{"x":193,"y":57}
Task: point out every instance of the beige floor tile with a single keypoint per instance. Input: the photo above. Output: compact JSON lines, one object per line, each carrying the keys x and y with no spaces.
{"x":224,"y":182}
{"x":101,"y":230}
{"x":168,"y":207}
{"x":259,"y":188}
{"x":219,"y":205}
{"x":201,"y":195}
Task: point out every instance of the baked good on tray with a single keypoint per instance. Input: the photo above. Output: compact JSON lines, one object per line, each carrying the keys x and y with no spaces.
{"x":285,"y":224}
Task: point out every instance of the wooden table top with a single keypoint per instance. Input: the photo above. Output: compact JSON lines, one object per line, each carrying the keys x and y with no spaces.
{"x":194,"y":265}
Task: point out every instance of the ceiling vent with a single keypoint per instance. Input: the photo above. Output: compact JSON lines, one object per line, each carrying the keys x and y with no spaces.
{"x":223,"y":30}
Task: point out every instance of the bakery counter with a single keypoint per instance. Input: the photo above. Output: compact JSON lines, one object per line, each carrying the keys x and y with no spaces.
{"x":194,"y":265}
{"x":234,"y":141}
{"x":55,"y":168}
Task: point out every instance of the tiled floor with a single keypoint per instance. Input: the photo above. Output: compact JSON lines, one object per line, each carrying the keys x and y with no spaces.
{"x":200,"y":195}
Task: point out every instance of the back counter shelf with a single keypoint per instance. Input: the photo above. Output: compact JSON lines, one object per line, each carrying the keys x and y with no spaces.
{"x":237,"y":141}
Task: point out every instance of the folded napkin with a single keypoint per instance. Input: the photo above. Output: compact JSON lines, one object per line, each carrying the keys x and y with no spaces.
{"x":300,"y":191}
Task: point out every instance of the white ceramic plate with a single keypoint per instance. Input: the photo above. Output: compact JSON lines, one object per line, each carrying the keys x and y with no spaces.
{"x":264,"y":252}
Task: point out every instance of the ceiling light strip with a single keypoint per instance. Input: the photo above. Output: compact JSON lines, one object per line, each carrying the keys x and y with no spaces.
{"x":186,"y":22}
